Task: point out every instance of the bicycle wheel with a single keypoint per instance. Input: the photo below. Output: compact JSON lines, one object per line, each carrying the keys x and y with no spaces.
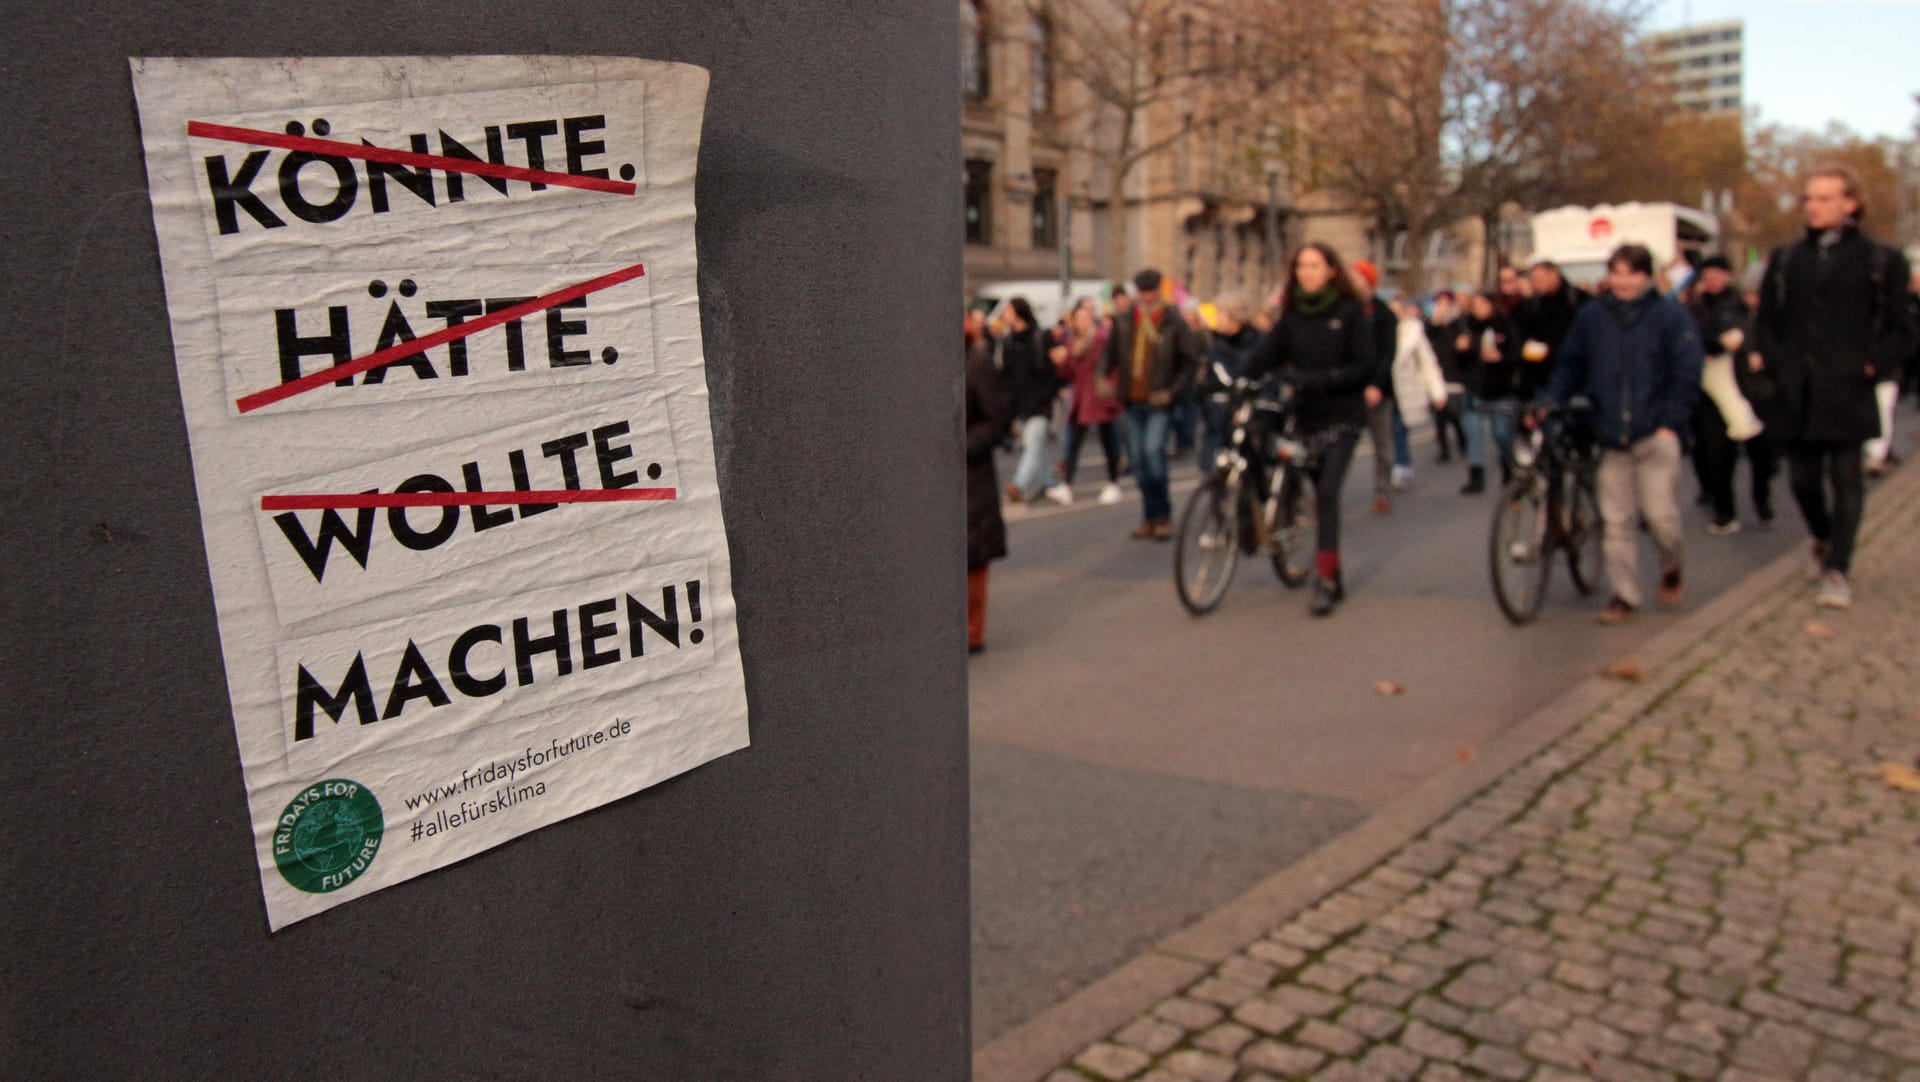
{"x":1208,"y":546}
{"x":1292,"y":529}
{"x":1520,"y":550}
{"x":1584,"y":535}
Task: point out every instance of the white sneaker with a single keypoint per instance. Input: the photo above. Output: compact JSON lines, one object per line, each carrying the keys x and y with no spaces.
{"x":1111,"y":494}
{"x":1061,"y":494}
{"x":1401,"y":475}
{"x":1834,"y":592}
{"x":1722,"y":529}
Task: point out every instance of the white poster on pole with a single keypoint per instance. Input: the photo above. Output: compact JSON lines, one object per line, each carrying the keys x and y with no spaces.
{"x":438,"y":340}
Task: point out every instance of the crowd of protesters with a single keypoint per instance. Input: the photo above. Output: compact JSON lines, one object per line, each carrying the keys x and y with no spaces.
{"x":1801,"y":361}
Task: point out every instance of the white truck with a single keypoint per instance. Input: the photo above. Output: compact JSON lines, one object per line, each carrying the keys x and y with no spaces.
{"x":1579,"y":239}
{"x":1043,"y":293}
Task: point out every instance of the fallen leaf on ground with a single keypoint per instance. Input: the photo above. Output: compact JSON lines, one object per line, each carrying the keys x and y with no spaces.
{"x":1466,"y":755}
{"x":1388,"y":687}
{"x":1629,"y":669}
{"x":1818,"y":630}
{"x":1897,"y":776}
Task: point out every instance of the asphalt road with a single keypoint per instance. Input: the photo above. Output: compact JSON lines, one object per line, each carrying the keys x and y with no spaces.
{"x":1135,"y":767}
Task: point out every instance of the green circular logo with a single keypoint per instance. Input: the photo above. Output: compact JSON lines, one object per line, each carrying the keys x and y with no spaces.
{"x":328,"y":836}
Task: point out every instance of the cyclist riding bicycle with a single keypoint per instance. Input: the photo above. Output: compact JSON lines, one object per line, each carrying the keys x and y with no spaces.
{"x":1322,"y":347}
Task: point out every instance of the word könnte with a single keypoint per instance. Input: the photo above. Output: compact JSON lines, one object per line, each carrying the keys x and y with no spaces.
{"x":321,"y":188}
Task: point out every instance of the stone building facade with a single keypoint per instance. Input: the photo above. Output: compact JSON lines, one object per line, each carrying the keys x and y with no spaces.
{"x":1217,"y":209}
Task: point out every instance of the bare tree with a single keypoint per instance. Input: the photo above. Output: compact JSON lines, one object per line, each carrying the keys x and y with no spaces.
{"x":1554,"y":102}
{"x":1443,"y":109}
{"x":1383,"y":112}
{"x":1140,"y":76}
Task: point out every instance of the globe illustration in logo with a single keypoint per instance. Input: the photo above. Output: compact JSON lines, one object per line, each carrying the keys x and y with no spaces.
{"x":328,"y":836}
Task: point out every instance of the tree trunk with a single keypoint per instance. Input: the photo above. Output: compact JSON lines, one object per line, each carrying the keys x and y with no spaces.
{"x":1414,"y":281}
{"x":1116,"y":248}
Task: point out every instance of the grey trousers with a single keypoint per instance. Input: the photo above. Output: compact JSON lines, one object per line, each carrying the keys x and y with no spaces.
{"x":1641,"y":482}
{"x":1380,"y":434}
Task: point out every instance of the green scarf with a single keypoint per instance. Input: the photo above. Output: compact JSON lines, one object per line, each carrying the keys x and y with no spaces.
{"x":1317,"y":303}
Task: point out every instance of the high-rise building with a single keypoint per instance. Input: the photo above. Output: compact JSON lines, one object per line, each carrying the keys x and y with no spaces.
{"x":1702,"y":64}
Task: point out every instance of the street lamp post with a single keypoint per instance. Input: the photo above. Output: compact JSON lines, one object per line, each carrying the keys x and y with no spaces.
{"x":1276,"y":170}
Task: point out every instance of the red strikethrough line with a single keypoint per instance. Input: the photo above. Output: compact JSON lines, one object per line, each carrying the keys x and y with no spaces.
{"x":338,"y":149}
{"x":463,"y":499}
{"x":392,"y":353}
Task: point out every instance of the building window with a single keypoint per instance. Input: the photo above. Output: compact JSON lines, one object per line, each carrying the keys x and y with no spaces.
{"x":1046,"y":221}
{"x":1040,"y":93}
{"x":973,"y":51}
{"x":979,"y":201}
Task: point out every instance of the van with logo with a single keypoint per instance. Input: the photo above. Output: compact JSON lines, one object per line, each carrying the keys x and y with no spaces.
{"x":1579,"y":239}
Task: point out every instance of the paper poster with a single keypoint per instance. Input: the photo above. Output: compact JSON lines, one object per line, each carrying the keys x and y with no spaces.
{"x":438,"y":340}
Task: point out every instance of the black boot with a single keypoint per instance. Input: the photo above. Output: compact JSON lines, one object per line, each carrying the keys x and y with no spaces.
{"x":1476,"y":481}
{"x":1326,"y":594}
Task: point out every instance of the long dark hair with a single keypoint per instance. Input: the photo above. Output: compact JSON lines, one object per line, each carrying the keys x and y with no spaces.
{"x":1340,"y":284}
{"x":1025,"y":311}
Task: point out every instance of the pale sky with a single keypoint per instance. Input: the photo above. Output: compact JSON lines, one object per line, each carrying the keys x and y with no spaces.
{"x":1812,"y":61}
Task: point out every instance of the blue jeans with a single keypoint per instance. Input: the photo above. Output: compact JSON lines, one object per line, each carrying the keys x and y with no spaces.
{"x":1402,"y":449}
{"x":1030,"y":476}
{"x":1147,"y":440}
{"x":1213,"y":433}
{"x":1478,"y":423}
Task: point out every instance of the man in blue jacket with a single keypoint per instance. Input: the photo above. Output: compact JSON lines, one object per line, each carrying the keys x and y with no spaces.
{"x":1636,"y":354}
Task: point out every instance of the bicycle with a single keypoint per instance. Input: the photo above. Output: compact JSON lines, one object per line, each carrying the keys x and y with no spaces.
{"x":1258,"y":495}
{"x":1548,"y":504}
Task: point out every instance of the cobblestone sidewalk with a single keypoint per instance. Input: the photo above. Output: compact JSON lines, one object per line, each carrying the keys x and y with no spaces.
{"x":1710,"y":880}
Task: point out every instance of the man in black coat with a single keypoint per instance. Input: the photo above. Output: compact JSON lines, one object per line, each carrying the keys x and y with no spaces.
{"x":1833,"y":316}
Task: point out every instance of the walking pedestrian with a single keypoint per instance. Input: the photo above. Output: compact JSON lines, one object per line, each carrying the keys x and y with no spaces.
{"x":1030,"y":379}
{"x":1388,"y":464}
{"x":1833,"y":317}
{"x":1419,"y":390}
{"x":1636,"y":355}
{"x":1722,"y":321}
{"x":1543,"y":320}
{"x":1322,"y":348}
{"x":1444,"y":327}
{"x":1513,"y":291}
{"x":1492,"y":389}
{"x":1093,"y":403}
{"x":1153,"y":356}
{"x":1757,"y":386}
{"x":987,"y":414}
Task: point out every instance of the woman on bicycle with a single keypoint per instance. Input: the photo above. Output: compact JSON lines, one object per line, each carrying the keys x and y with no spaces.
{"x":1322,"y":348}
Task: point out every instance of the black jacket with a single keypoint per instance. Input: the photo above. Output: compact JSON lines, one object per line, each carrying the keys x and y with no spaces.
{"x":1714,"y":314}
{"x":1328,"y":358}
{"x":1454,"y":364}
{"x":1176,"y":359}
{"x":1386,"y":337}
{"x":1638,"y":361}
{"x":1230,"y":352}
{"x":1546,"y":319}
{"x":1500,"y":379}
{"x":1832,"y":320}
{"x":987,"y":416}
{"x":1028,"y":373}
